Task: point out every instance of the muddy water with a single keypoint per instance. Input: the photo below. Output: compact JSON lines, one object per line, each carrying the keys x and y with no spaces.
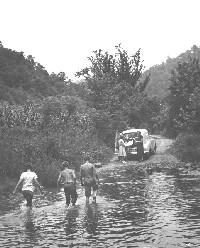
{"x":134,"y":209}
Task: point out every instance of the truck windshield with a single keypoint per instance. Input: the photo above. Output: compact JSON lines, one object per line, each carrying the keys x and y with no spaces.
{"x":129,"y":136}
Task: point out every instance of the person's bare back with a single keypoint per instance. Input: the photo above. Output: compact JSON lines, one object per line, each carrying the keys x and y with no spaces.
{"x":89,"y":179}
{"x":87,"y":170}
{"x":68,"y":176}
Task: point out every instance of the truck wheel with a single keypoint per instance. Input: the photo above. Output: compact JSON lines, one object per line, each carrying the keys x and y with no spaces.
{"x":147,"y":155}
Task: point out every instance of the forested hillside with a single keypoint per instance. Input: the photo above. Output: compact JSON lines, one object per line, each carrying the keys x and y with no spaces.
{"x":159,"y":82}
{"x":24,"y":79}
{"x":177,"y":84}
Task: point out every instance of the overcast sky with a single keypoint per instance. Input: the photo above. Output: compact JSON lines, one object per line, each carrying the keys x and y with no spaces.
{"x":61,"y":34}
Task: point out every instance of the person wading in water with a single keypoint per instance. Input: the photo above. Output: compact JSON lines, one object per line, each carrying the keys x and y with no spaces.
{"x":67,"y":177}
{"x":89,"y":179}
{"x":30,"y":183}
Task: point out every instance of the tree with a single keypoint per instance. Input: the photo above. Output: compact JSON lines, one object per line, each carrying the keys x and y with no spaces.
{"x":121,"y":66}
{"x":185,"y":83}
{"x":115,"y":90}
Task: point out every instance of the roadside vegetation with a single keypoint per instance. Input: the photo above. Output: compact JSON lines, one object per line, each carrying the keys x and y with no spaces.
{"x":46,"y":118}
{"x":181,"y":108}
{"x":187,"y":148}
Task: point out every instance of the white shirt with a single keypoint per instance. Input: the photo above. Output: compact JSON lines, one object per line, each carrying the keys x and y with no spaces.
{"x":28,"y":183}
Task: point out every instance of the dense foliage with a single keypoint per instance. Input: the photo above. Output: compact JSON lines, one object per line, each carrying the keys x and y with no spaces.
{"x":179,"y":116}
{"x":24,"y":79}
{"x":176,"y":84}
{"x":184,"y":96}
{"x":187,"y":147}
{"x":159,"y":81}
{"x":116,"y":92}
{"x":46,"y":118}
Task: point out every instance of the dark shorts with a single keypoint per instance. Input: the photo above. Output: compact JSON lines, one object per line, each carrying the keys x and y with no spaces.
{"x":90,"y":183}
{"x":28,"y":195}
{"x":70,"y":193}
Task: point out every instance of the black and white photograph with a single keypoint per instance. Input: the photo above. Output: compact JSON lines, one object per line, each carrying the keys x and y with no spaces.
{"x":99,"y":124}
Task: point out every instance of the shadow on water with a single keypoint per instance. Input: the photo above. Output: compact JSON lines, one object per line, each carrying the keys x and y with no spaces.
{"x":134,"y":209}
{"x":70,"y":221}
{"x":32,"y":230}
{"x":91,"y":219}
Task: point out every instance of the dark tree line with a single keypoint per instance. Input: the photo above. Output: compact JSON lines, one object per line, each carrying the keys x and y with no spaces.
{"x":184,"y":97}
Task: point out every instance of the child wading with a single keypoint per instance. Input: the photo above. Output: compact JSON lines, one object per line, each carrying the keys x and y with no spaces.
{"x":68,"y":178}
{"x":30,"y":182}
{"x":89,"y":179}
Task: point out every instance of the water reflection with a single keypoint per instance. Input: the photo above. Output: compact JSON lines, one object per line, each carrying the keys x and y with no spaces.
{"x":91,"y":219}
{"x":70,"y":222}
{"x":134,"y":208}
{"x":32,"y":230}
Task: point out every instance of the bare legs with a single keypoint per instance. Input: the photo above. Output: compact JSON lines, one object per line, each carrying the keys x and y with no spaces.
{"x":87,"y":200}
{"x":94,"y":196}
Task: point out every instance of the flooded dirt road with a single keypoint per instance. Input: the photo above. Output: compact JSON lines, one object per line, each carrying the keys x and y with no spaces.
{"x":136,"y":207}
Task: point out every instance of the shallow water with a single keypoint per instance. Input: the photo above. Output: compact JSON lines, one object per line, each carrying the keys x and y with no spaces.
{"x":133,"y":209}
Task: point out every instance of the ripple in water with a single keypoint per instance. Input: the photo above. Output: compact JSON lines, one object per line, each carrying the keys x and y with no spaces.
{"x":133,"y":210}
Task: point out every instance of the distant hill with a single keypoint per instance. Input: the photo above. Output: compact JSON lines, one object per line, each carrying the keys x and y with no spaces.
{"x":160,"y":74}
{"x":21,"y":78}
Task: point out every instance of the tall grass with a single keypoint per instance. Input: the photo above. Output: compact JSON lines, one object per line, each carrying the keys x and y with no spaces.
{"x":46,"y":150}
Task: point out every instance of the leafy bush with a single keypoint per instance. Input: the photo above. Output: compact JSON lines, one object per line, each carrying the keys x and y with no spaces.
{"x":47,"y":171}
{"x":10,"y":162}
{"x":187,"y":147}
{"x":46,"y":150}
{"x":7,"y":185}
